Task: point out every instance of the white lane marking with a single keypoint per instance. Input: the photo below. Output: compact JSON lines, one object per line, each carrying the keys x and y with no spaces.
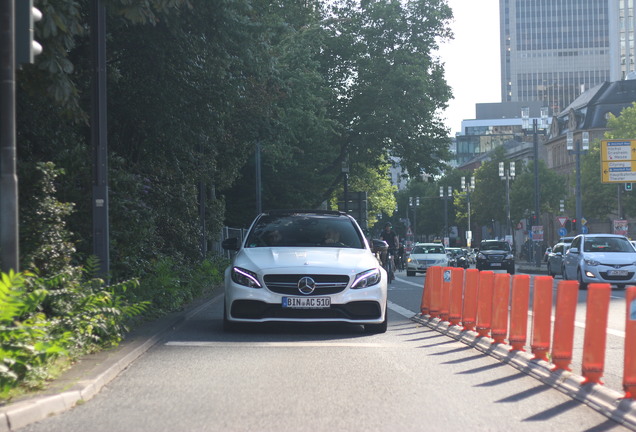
{"x":399,"y":309}
{"x":295,"y":344}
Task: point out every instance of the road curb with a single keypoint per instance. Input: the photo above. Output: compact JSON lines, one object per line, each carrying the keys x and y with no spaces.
{"x":608,"y":402}
{"x":86,"y":378}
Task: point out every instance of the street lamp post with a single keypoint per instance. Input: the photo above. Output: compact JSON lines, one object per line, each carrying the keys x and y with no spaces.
{"x":581,"y":148}
{"x":535,"y":131}
{"x":468,"y":188}
{"x":445,"y":197}
{"x":414,"y":203}
{"x":507,"y":175}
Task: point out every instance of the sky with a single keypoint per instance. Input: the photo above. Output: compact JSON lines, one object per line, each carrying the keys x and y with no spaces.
{"x":472,"y":59}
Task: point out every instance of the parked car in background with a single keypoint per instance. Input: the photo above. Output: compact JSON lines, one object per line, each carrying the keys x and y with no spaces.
{"x":425,"y":255}
{"x":555,"y":258}
{"x":602,"y":258}
{"x":495,"y":255}
{"x":305,"y":266}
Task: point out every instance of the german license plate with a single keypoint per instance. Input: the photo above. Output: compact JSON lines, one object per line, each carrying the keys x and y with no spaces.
{"x":495,"y":264}
{"x":307,"y":302}
{"x":617,"y":272}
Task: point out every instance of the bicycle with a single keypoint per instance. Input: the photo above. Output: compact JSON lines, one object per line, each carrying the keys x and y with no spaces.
{"x":389,"y":265}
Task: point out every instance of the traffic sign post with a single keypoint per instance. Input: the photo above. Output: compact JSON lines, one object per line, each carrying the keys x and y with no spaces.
{"x":618,"y":161}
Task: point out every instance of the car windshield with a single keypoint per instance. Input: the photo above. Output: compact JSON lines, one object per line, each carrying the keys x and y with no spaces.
{"x":292,"y":230}
{"x":495,"y":246}
{"x":607,"y":244}
{"x":428,"y":250}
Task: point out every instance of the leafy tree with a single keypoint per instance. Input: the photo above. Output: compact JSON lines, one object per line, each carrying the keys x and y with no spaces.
{"x":388,"y":86}
{"x":552,"y":187}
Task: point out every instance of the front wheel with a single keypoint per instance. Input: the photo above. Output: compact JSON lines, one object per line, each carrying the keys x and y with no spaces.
{"x":378,"y":328}
{"x":579,"y":277}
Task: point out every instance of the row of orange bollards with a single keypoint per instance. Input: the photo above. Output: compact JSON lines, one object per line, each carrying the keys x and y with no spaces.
{"x":496,"y":305}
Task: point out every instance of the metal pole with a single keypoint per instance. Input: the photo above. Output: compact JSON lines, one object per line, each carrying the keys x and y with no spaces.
{"x":445,"y":216}
{"x":579,"y":210}
{"x":99,"y":138}
{"x":259,"y":187}
{"x":508,"y":221}
{"x":9,"y":225}
{"x":346,"y":192}
{"x":535,"y":134}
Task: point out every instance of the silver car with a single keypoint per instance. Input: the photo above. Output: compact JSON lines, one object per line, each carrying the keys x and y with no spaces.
{"x":600,"y":258}
{"x":555,"y":257}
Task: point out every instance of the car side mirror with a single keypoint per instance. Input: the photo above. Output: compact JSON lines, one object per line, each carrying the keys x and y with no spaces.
{"x":573,"y":250}
{"x":231,"y":243}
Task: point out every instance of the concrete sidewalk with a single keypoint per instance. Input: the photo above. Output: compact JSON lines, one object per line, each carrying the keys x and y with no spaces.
{"x":91,"y":373}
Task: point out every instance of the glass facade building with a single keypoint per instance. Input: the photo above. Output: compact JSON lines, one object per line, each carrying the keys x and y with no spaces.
{"x":554,"y":50}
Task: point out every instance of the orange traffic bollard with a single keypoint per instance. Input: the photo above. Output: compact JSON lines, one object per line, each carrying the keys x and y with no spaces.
{"x":426,"y":297}
{"x":500,"y":304}
{"x":598,"y":297}
{"x":484,"y":302}
{"x":469,"y":314}
{"x":629,"y":371}
{"x":456,"y":295}
{"x":541,"y":317}
{"x":435,"y":286}
{"x":565,"y":315}
{"x":519,"y":312}
{"x":446,"y":284}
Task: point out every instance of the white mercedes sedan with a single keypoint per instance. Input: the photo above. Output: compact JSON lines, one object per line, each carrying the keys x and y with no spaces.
{"x":305,"y":266}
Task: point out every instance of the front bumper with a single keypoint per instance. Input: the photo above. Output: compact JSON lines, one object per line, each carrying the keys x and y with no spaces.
{"x":360,"y":306}
{"x":608,"y":274}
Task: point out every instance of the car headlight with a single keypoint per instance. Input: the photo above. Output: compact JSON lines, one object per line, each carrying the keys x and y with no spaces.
{"x":245,"y":277}
{"x":591,"y":262}
{"x":366,"y":279}
{"x":510,"y":256}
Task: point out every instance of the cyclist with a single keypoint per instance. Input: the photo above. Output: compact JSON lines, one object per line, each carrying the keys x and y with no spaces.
{"x":392,"y":240}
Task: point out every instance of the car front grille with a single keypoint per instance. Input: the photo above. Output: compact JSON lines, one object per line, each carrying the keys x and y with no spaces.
{"x":630,"y":276}
{"x":495,"y":258}
{"x":288,"y":284}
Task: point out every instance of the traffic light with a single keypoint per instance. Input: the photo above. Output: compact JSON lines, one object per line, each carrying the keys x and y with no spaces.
{"x":26,"y":48}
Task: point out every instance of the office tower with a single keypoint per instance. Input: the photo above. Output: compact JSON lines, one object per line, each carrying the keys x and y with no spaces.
{"x":553,"y":50}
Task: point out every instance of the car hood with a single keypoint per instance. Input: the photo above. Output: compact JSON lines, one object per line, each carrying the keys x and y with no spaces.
{"x":495,"y":252}
{"x":435,"y":257}
{"x":610,"y":257}
{"x":283,"y":258}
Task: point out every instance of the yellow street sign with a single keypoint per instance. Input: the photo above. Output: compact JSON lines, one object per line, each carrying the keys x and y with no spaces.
{"x":618,"y":172}
{"x":618,"y":161}
{"x":618,"y":150}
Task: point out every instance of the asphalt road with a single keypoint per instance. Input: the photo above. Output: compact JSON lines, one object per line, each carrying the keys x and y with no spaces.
{"x":323,"y":378}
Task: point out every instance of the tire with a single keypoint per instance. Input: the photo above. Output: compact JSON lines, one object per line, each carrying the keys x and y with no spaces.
{"x":511,"y":270}
{"x":410,"y":273}
{"x":579,"y":277}
{"x":563,"y":274}
{"x":228,"y":326}
{"x":550,"y":273}
{"x":378,"y":328}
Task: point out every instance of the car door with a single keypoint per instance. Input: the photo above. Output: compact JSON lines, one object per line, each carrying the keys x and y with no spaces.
{"x":571,"y":260}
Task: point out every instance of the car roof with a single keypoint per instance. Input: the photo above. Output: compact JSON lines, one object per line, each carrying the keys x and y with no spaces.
{"x":601,"y":235}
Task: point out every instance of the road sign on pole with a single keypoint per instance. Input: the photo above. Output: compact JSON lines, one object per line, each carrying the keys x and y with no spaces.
{"x":562,"y":220}
{"x":618,"y":161}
